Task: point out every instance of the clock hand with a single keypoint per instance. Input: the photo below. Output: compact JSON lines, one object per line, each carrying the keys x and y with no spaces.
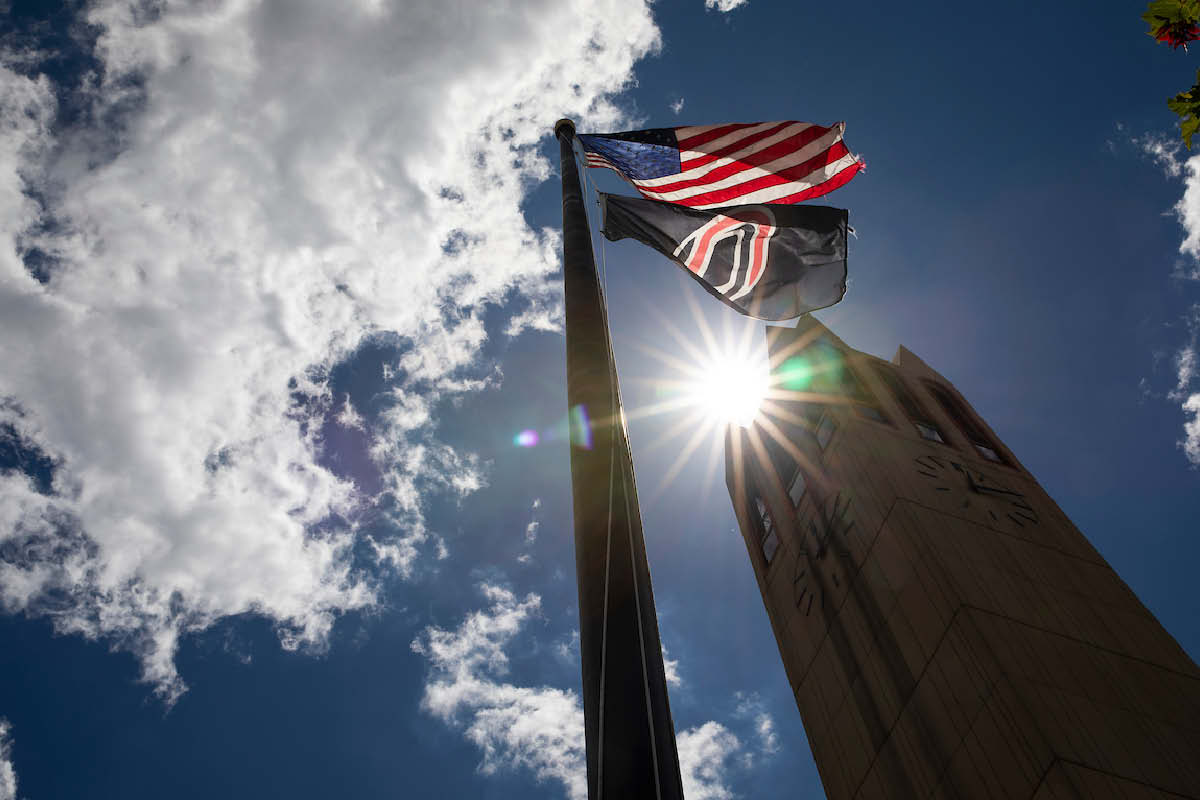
{"x":971,"y":484}
{"x":980,"y":488}
{"x":991,"y":490}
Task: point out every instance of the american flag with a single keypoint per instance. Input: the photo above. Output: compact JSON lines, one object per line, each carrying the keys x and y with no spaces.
{"x":706,"y":166}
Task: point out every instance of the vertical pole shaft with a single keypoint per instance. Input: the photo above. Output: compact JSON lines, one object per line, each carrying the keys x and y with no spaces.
{"x":630,"y":736}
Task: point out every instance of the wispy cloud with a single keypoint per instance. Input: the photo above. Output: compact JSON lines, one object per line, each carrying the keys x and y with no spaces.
{"x":671,"y":668}
{"x":242,"y":205}
{"x":348,"y":417}
{"x":1186,"y":391}
{"x":538,"y":729}
{"x":724,"y":6}
{"x":1191,"y":428}
{"x":750,"y":706}
{"x":1187,"y":386}
{"x":1167,"y":153}
{"x":677,"y":106}
{"x":567,"y":648}
{"x":8,"y":775}
{"x":1185,"y":371}
{"x":705,"y":755}
{"x":531,"y":532}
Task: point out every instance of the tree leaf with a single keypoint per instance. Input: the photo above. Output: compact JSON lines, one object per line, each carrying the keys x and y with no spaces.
{"x":1175,"y":22}
{"x":1187,"y":106}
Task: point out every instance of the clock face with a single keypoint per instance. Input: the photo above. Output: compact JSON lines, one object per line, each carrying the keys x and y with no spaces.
{"x":822,"y":560}
{"x":807,"y":591}
{"x":977,"y":494}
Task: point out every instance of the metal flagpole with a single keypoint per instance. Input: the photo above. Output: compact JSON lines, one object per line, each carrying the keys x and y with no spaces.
{"x":627,"y":719}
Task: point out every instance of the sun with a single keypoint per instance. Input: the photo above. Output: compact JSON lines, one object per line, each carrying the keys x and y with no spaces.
{"x":706,"y":380}
{"x":728,"y":388}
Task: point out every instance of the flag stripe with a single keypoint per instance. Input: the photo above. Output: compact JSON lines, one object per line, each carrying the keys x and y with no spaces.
{"x":798,"y":148}
{"x":801,"y":176}
{"x":686,"y":131}
{"x":729,"y":137}
{"x":711,"y":165}
{"x":594,"y":160}
{"x":787,"y":163}
{"x":699,"y":172}
{"x":839,"y":176}
{"x":835,"y":175}
{"x":731,"y":147}
{"x":706,"y":133}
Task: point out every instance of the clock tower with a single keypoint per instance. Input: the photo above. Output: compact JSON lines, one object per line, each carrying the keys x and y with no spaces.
{"x":946,"y":630}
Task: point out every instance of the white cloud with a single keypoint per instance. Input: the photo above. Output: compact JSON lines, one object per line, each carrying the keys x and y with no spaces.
{"x":349,"y":418}
{"x":269,"y":188}
{"x":671,"y":668}
{"x":677,"y":106}
{"x":537,"y":729}
{"x":567,"y":648}
{"x":1191,"y":428}
{"x":531,"y":532}
{"x":1165,"y":151}
{"x":724,"y":6}
{"x":768,"y":740}
{"x":1185,"y":371}
{"x":1188,"y":211}
{"x":8,"y":775}
{"x":704,"y":753}
{"x":1187,"y":387}
{"x":750,"y":706}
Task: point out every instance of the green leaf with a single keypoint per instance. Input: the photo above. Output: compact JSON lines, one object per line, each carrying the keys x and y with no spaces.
{"x":1163,"y":15}
{"x":1188,"y":128}
{"x":1187,"y":106}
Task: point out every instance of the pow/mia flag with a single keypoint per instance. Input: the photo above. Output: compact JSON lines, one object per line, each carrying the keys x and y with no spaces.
{"x":771,"y":262}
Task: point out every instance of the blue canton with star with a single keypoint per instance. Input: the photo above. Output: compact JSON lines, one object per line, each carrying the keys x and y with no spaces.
{"x":639,"y":155}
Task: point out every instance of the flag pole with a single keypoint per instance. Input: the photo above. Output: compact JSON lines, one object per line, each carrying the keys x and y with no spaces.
{"x":627,"y":720}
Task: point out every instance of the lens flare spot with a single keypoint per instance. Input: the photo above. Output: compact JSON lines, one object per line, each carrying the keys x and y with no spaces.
{"x":581,"y":427}
{"x":526,"y":438}
{"x":795,"y":374}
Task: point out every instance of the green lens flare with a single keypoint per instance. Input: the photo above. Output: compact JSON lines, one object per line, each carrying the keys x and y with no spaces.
{"x":796,"y":374}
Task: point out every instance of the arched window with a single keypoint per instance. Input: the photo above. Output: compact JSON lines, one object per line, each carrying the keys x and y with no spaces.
{"x":966,"y":422}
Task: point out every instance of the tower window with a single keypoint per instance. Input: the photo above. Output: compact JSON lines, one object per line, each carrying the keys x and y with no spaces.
{"x":768,"y":536}
{"x":966,"y":423}
{"x":912,"y":407}
{"x":825,"y":428}
{"x":870,"y":412}
{"x":929,"y":432}
{"x":987,"y":452}
{"x":797,"y":488}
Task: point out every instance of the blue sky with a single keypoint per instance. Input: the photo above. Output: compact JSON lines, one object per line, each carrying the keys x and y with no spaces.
{"x":278,"y":288}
